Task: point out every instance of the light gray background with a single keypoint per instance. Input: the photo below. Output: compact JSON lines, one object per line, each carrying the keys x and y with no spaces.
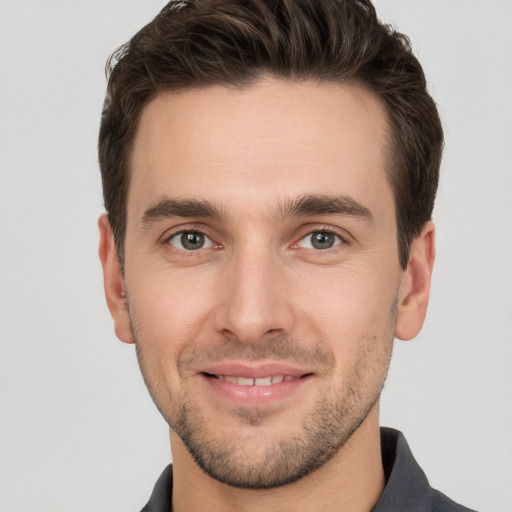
{"x":78,"y":430}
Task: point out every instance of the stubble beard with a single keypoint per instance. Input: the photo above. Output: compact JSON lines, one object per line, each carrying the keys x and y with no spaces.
{"x":337,"y":414}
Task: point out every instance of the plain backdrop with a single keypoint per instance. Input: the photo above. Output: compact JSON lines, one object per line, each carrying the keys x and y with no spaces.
{"x":78,"y":430}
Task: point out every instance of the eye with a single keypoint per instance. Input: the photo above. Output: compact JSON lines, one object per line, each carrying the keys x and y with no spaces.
{"x":190,"y":241}
{"x":320,"y":240}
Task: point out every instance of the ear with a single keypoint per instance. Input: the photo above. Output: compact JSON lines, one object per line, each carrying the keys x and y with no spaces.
{"x":113,"y":282}
{"x":414,"y":288}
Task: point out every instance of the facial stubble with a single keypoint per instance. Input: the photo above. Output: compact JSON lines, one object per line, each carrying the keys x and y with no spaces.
{"x":336,"y":415}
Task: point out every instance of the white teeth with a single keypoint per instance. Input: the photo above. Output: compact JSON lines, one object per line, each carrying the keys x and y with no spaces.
{"x":261,"y":381}
{"x":242,"y":381}
{"x":264,"y":381}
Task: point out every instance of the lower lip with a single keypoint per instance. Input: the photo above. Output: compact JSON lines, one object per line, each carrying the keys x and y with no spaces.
{"x":254,"y":395}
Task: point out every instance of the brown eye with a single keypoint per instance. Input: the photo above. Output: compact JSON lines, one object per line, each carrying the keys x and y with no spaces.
{"x":190,"y":241}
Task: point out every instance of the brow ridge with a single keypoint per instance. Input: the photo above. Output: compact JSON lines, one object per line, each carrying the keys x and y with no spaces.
{"x":303,"y":206}
{"x":170,"y":207}
{"x":313,"y":204}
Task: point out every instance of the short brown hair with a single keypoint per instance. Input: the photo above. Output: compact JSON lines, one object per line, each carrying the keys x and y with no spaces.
{"x":197,"y":43}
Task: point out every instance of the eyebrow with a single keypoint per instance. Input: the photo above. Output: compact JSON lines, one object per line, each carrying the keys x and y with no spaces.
{"x":303,"y":206}
{"x":311,"y":205}
{"x":168,"y":208}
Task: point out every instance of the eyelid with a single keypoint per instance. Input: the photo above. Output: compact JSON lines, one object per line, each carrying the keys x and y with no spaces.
{"x":166,"y":238}
{"x":338,"y":241}
{"x":177,"y":236}
{"x":307,"y":231}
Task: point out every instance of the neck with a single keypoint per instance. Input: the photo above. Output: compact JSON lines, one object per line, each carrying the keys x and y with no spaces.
{"x":352,"y":480}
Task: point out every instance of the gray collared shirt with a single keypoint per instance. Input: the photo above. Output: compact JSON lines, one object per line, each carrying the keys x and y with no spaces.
{"x":407,"y":488}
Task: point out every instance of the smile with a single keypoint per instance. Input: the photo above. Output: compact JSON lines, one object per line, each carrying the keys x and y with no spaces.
{"x":260,"y":381}
{"x":245,"y":386}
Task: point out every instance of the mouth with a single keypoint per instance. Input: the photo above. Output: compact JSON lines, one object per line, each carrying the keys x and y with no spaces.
{"x":243,"y":385}
{"x":256,"y":381}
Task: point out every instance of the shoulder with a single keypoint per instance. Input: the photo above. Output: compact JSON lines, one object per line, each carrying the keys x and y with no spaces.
{"x":161,"y":497}
{"x":441,"y":503}
{"x":407,"y":487}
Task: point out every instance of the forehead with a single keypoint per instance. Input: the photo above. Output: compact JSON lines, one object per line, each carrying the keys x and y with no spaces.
{"x":270,"y":141}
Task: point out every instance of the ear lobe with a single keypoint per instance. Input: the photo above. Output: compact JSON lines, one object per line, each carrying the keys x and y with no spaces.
{"x":113,"y":282}
{"x":414,"y":288}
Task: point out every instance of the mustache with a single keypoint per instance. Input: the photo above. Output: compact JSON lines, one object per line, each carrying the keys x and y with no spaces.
{"x":276,"y":349}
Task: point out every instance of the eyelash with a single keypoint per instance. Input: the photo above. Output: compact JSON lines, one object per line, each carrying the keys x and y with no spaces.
{"x":341,"y":239}
{"x":168,"y":240}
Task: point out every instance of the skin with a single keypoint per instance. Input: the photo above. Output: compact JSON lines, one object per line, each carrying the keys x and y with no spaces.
{"x":259,"y":292}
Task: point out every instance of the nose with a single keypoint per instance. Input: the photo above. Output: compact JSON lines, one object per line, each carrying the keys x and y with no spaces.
{"x":254,"y":302}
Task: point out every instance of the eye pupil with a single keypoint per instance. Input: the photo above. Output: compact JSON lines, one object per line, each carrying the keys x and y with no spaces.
{"x":192,"y":241}
{"x":322,"y":240}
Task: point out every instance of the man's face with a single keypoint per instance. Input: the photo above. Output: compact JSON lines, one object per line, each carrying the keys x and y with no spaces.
{"x":262,"y":273}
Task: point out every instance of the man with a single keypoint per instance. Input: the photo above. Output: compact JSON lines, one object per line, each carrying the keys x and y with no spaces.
{"x":269,"y":173}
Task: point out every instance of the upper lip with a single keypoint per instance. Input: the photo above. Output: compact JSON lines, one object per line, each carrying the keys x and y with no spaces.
{"x":254,"y":371}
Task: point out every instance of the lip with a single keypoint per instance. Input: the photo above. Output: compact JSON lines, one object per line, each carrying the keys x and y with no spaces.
{"x":256,"y":371}
{"x":255,"y":395}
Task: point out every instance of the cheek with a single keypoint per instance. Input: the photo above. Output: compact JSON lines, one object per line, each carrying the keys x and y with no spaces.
{"x":169,"y":311}
{"x":348,"y":300}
